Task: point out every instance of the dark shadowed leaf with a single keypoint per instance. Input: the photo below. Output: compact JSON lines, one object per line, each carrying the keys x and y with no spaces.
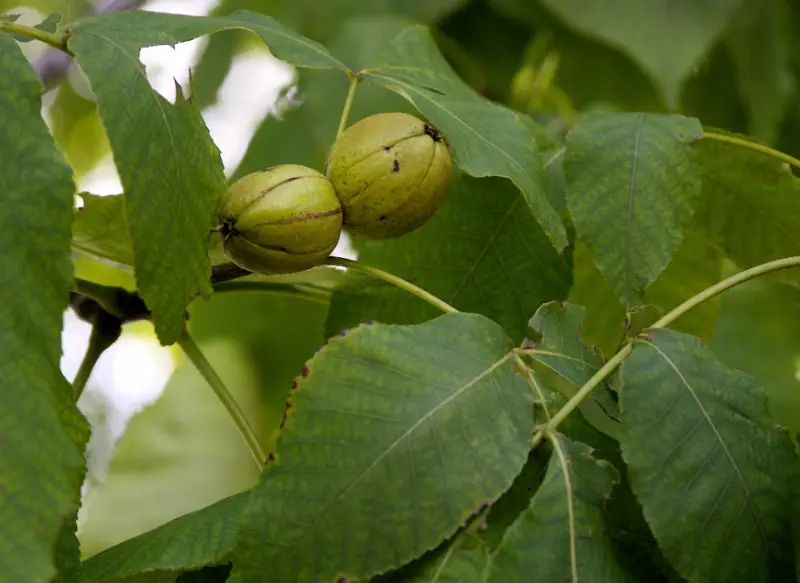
{"x":758,"y":333}
{"x":396,"y":434}
{"x":42,"y":433}
{"x":486,"y":139}
{"x":709,"y":466}
{"x":170,"y":207}
{"x":323,"y":20}
{"x":642,"y":29}
{"x":589,"y":71}
{"x":199,"y":538}
{"x":751,"y":205}
{"x":464,"y":559}
{"x":696,"y":265}
{"x":759,"y":40}
{"x":482,"y":252}
{"x":631,"y":187}
{"x":212,"y":574}
{"x":564,"y":524}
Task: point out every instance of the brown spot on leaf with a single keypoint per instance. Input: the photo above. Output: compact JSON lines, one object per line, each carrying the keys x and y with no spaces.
{"x":306,"y":372}
{"x":396,"y":166}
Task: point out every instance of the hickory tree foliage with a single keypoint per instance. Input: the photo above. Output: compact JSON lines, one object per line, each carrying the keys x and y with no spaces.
{"x":573,"y":372}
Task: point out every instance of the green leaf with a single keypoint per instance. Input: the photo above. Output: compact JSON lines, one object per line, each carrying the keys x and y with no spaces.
{"x":517,"y":498}
{"x":696,"y":265}
{"x":465,"y":561}
{"x":178,"y":455}
{"x":757,"y":332}
{"x":630,"y":190}
{"x":199,"y":538}
{"x":642,"y":30}
{"x":77,"y":129}
{"x":603,"y":323}
{"x":759,"y":40}
{"x":751,"y":205}
{"x":487,"y":139}
{"x":564,"y":523}
{"x":171,"y":205}
{"x":481,"y":252}
{"x":41,"y":431}
{"x":561,"y":347}
{"x":101,"y":231}
{"x":709,"y":466}
{"x":563,"y":351}
{"x":394,"y":436}
{"x":278,"y":330}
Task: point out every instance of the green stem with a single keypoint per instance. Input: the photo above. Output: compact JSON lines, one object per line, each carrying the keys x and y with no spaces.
{"x":195,"y":355}
{"x":105,"y":331}
{"x":104,"y":295}
{"x":754,"y":146}
{"x":49,"y":38}
{"x":394,"y":280}
{"x":582,"y":393}
{"x":348,"y":103}
{"x":673,"y":315}
{"x":725,"y":284}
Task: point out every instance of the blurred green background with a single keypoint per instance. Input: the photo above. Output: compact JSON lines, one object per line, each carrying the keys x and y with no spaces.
{"x":734,"y":64}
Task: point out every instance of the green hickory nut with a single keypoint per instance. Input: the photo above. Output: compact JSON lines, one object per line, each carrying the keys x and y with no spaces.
{"x":280,"y":220}
{"x":391,"y":172}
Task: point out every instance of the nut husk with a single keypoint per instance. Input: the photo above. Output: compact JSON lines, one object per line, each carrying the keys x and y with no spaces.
{"x":280,"y":220}
{"x":391,"y":172}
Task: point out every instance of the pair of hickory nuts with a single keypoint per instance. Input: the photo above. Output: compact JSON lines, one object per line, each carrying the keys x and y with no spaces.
{"x":385,"y":176}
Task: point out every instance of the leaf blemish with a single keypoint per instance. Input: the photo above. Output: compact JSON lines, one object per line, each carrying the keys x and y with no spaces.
{"x":396,"y":166}
{"x":306,"y":372}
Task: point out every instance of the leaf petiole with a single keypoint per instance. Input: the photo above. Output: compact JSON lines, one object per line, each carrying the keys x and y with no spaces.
{"x":54,"y":40}
{"x":394,"y":280}
{"x":106,"y":330}
{"x":673,"y":315}
{"x":754,"y":146}
{"x":198,"y":359}
{"x":348,"y":102}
